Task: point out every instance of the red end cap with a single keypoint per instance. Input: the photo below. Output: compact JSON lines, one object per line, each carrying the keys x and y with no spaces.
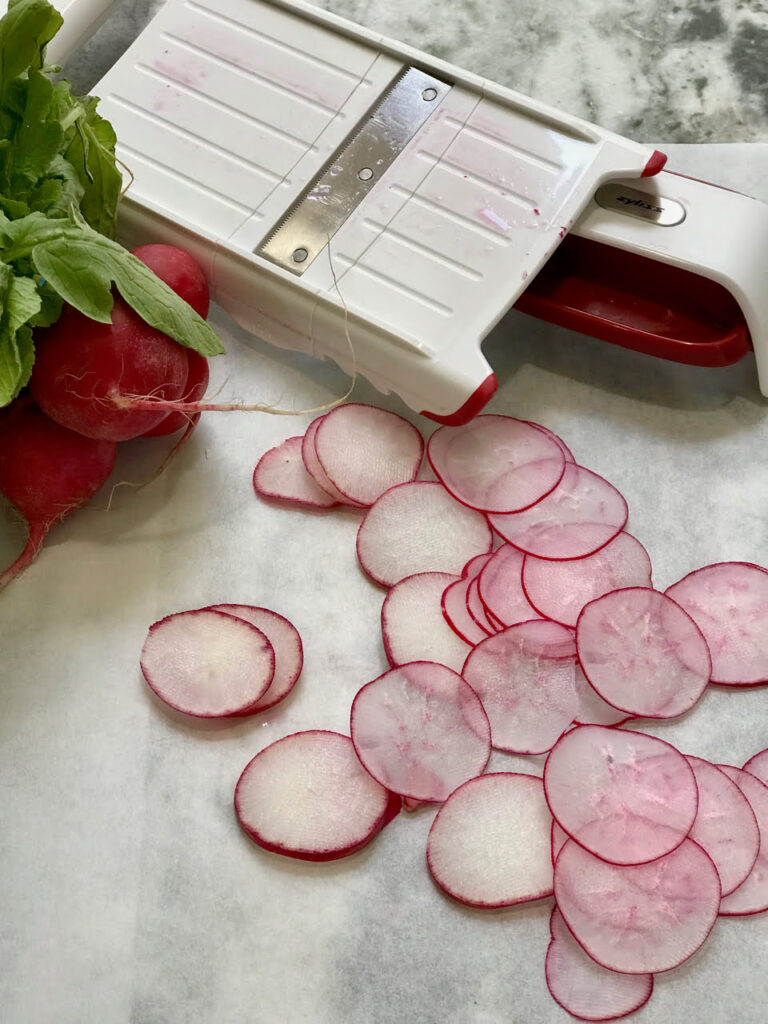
{"x":655,"y":164}
{"x":471,"y":407}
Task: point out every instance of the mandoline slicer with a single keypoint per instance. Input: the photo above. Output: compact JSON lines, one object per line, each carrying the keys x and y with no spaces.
{"x":321,"y":172}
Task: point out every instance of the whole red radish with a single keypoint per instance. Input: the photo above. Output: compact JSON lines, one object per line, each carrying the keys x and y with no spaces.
{"x":196,"y":386}
{"x":46,"y":471}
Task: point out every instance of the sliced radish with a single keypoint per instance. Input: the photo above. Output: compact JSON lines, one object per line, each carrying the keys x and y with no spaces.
{"x":496,"y":463}
{"x":315,"y":469}
{"x":640,"y":918}
{"x":477,"y":609}
{"x":207,"y":663}
{"x":556,"y":438}
{"x":624,"y":796}
{"x":728,"y":601}
{"x":758,"y":766}
{"x":420,"y":730}
{"x":580,"y":516}
{"x":642,"y":653}
{"x":593,"y":710}
{"x":456,"y":612}
{"x":364,"y":450}
{"x":413,"y":625}
{"x":307,"y":796}
{"x":525,"y":678}
{"x":559,"y":590}
{"x":418,"y":527}
{"x":558,"y":839}
{"x":501,"y":589}
{"x":725,"y":825}
{"x":489,"y":844}
{"x":281,"y":473}
{"x":286,"y":643}
{"x":751,"y":897}
{"x":585,"y":989}
{"x":475,"y":565}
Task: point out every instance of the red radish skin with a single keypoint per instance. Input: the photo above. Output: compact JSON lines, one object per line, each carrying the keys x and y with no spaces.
{"x":640,"y":918}
{"x":475,"y":565}
{"x":180,"y":271}
{"x":207,"y":663}
{"x":585,"y":989}
{"x":413,"y":626}
{"x":420,"y":730}
{"x":198,"y":376}
{"x":281,"y":474}
{"x":457,"y":615}
{"x":501,"y":590}
{"x":751,"y":897}
{"x":286,"y":806}
{"x":626,"y":797}
{"x":496,"y":463}
{"x":477,"y":611}
{"x":489,"y":844}
{"x":558,"y":839}
{"x":46,"y":472}
{"x":758,"y":766}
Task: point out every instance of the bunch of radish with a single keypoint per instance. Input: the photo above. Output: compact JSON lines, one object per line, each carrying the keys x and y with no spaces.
{"x":519,"y":616}
{"x":58,"y":442}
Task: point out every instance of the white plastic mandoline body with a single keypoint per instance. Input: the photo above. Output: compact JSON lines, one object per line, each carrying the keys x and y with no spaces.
{"x":227,"y":109}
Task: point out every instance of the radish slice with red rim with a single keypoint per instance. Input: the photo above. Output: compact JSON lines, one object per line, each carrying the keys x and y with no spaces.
{"x":751,"y":897}
{"x":758,"y":766}
{"x":580,"y":516}
{"x":558,"y":839}
{"x":287,"y":805}
{"x":639,"y":918}
{"x":642,"y":653}
{"x":280,"y":473}
{"x":314,"y":466}
{"x":420,"y":730}
{"x":525,"y":678}
{"x":593,"y":710}
{"x":456,"y":612}
{"x":413,"y":625}
{"x":585,"y":989}
{"x":568,"y":454}
{"x":418,"y":527}
{"x":496,"y":463}
{"x":475,"y":565}
{"x":364,"y":450}
{"x":489,"y":843}
{"x":207,"y":663}
{"x":627,"y":797}
{"x":725,"y":825}
{"x":501,"y":590}
{"x":559,"y":590}
{"x":477,"y":611}
{"x":286,"y":643}
{"x":728,"y":601}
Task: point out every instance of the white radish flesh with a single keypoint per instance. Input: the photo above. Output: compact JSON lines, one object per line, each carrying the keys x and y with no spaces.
{"x":568,"y":454}
{"x":642,"y":918}
{"x":307,"y":796}
{"x":280,"y":473}
{"x":501,"y":589}
{"x":625,"y":796}
{"x":420,"y":730}
{"x":496,"y":463}
{"x":593,"y":710}
{"x":207,"y":663}
{"x":314,"y":466}
{"x":642,"y":653}
{"x":559,"y":590}
{"x":489,"y":844}
{"x":580,"y":516}
{"x":364,"y":451}
{"x":419,"y":527}
{"x":751,"y":897}
{"x":525,"y":678}
{"x":584,"y":988}
{"x":728,"y":601}
{"x":413,"y":626}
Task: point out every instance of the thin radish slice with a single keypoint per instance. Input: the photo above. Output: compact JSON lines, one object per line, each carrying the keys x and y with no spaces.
{"x":364,"y":451}
{"x":557,"y":840}
{"x":725,"y":825}
{"x":207,"y":663}
{"x":642,"y":653}
{"x":624,"y":796}
{"x":413,"y":625}
{"x":477,"y":610}
{"x":593,"y":710}
{"x":496,"y":463}
{"x":639,"y":918}
{"x":280,"y":473}
{"x":286,"y":643}
{"x":315,"y":469}
{"x":580,"y":516}
{"x":751,"y":897}
{"x":420,"y":730}
{"x":585,"y":989}
{"x":728,"y":601}
{"x":476,"y":565}
{"x":501,"y":589}
{"x":525,"y":678}
{"x":489,"y":843}
{"x":307,"y":796}
{"x":556,"y":438}
{"x":758,"y":766}
{"x":559,"y":590}
{"x":454,"y":605}
{"x":418,"y":527}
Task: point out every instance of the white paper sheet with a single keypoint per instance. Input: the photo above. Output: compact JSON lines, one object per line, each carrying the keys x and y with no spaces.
{"x":127,"y":891}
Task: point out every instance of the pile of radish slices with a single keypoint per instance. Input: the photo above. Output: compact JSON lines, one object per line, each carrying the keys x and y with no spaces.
{"x":520,"y":616}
